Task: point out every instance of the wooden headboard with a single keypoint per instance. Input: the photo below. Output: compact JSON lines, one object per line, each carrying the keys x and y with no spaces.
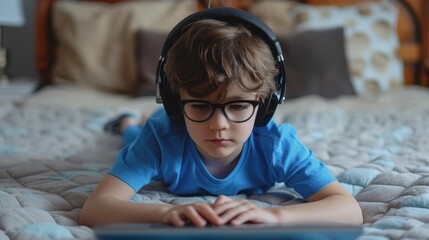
{"x":413,"y":31}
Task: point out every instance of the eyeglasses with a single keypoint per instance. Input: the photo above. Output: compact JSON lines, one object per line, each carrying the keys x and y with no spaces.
{"x":237,"y":111}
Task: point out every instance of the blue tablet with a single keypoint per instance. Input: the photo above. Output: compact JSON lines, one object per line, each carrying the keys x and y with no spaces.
{"x":247,"y":231}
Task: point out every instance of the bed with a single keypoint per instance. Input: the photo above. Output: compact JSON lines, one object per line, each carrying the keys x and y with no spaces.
{"x":361,"y":104}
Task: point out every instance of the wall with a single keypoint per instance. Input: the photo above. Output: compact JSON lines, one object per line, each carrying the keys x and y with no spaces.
{"x":19,"y":44}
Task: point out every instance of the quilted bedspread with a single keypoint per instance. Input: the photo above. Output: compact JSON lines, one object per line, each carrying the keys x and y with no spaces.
{"x":52,"y":157}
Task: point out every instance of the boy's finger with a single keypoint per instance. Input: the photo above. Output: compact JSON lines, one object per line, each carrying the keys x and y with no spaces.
{"x":223,"y":207}
{"x":244,"y":217}
{"x":233,"y":212}
{"x":194,"y":216}
{"x":174,"y":219}
{"x":208,"y":213}
{"x":222,"y":199}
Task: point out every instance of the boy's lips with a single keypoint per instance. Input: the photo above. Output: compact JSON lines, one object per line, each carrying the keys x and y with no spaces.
{"x":219,"y":141}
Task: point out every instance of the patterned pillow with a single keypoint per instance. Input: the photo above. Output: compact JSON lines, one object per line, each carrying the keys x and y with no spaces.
{"x":275,"y":13}
{"x":372,"y":42}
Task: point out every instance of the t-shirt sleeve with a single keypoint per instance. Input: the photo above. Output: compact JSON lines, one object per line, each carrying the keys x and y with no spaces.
{"x":137,"y":163}
{"x":297,"y":165}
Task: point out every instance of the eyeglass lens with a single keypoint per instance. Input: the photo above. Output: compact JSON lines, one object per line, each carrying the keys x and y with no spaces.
{"x":236,"y":111}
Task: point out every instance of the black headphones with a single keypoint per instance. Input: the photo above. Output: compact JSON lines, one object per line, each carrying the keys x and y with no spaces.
{"x":266,"y":110}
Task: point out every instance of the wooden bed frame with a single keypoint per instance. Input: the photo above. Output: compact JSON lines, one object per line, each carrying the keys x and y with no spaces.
{"x":413,"y":31}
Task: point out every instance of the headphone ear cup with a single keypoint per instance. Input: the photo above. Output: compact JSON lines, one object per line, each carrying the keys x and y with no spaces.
{"x":266,"y":111}
{"x":171,"y":103}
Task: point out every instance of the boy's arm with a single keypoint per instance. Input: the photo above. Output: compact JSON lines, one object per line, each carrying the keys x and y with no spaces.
{"x":331,"y":204}
{"x":109,"y":203}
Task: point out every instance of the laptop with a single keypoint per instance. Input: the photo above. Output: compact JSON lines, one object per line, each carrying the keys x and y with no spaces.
{"x":246,"y":231}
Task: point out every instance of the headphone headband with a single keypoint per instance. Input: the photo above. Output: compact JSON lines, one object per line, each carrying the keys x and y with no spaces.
{"x":224,"y":14}
{"x":230,"y":15}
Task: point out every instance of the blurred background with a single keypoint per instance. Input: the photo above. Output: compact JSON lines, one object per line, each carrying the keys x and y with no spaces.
{"x":19,"y":44}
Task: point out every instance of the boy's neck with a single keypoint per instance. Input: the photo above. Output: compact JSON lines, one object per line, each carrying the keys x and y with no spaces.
{"x":221,"y":170}
{"x":221,"y":167}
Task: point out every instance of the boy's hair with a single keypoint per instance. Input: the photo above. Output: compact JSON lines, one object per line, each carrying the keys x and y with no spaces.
{"x":212,"y":54}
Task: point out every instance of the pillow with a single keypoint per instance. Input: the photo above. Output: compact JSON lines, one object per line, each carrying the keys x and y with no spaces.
{"x":148,"y":49}
{"x":372,"y":42}
{"x":275,"y":13}
{"x":96,"y":40}
{"x":315,"y":63}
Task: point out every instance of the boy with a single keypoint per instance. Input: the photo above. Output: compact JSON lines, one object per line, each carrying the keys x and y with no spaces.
{"x":221,"y":74}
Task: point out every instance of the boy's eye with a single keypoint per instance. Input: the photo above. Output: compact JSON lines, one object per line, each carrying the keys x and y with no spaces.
{"x":238,"y":106}
{"x":200,"y":106}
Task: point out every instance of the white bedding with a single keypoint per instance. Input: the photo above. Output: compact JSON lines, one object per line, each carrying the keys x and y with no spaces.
{"x":70,"y":95}
{"x":53,"y":152}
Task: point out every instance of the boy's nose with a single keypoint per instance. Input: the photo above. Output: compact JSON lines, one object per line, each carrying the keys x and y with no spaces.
{"x":218,"y":120}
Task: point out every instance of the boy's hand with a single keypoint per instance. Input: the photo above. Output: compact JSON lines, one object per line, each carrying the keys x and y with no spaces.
{"x":198,"y":214}
{"x":237,"y":212}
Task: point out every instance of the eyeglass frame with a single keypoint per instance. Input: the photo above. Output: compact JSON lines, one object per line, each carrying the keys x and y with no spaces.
{"x":253,"y":103}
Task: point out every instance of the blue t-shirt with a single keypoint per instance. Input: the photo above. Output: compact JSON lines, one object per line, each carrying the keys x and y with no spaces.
{"x":165,"y":152}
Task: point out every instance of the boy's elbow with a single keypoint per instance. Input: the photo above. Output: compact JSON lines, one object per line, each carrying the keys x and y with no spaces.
{"x":357,"y":212}
{"x":85,"y":216}
{"x":359,"y":218}
{"x":83,"y":219}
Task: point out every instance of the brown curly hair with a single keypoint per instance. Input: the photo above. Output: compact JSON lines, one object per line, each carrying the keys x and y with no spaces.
{"x":212,"y":54}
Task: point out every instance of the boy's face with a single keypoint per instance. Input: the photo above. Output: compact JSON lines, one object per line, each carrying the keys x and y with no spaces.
{"x":218,"y":138}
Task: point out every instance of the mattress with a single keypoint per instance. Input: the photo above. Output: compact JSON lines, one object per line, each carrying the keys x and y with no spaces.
{"x":53,"y":152}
